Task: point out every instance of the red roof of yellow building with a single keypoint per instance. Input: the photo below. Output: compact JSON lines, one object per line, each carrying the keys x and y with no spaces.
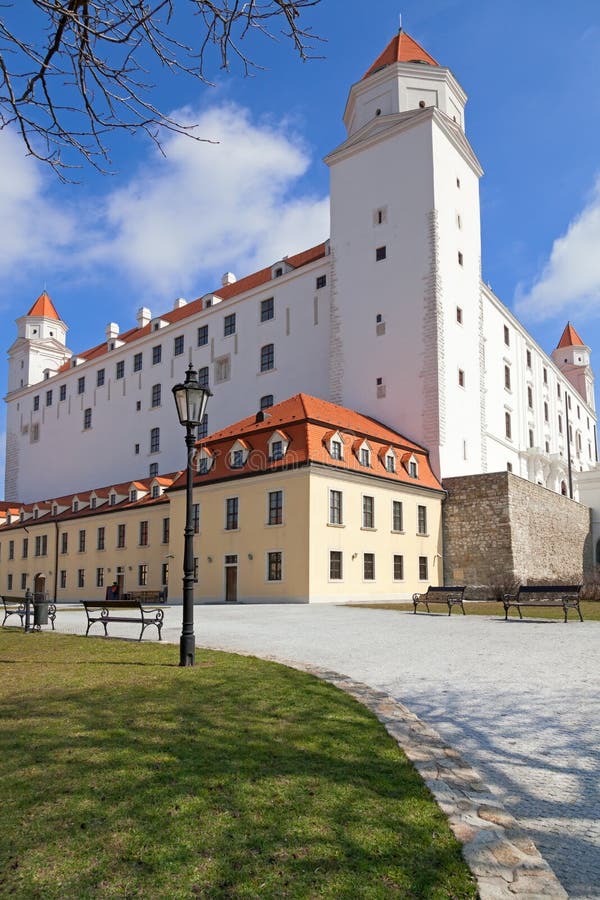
{"x":402,"y":48}
{"x":570,"y":338}
{"x":44,"y":306}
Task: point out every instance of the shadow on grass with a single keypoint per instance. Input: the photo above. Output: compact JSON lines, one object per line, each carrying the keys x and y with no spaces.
{"x":238,"y":778}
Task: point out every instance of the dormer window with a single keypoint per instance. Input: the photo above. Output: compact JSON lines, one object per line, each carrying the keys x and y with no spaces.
{"x":237,"y":459}
{"x":277,"y":445}
{"x":336,"y":450}
{"x":364,"y":455}
{"x":35,"y":513}
{"x":75,"y":505}
{"x":132,"y":495}
{"x":93,"y":502}
{"x":113,"y":499}
{"x":278,"y":272}
{"x":277,"y":450}
{"x":55,"y":510}
{"x":155,"y":491}
{"x":22,"y":516}
{"x":204,"y":462}
{"x":390,"y":462}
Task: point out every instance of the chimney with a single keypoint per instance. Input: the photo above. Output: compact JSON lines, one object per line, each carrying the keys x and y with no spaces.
{"x":228,"y":278}
{"x":143,"y":317}
{"x":112,"y":331}
{"x":179,"y":303}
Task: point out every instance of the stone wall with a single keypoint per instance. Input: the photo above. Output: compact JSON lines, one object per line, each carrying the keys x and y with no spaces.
{"x":500,"y":529}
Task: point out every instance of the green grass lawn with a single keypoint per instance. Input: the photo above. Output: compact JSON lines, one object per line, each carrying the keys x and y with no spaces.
{"x":589,"y":610}
{"x":125,"y":776}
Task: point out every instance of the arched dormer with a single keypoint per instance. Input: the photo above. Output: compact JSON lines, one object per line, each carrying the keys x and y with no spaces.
{"x":334,"y":441}
{"x":238,"y":455}
{"x":277,"y":445}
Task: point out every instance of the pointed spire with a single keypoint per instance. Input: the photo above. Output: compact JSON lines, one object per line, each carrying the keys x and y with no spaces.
{"x":402,"y":48}
{"x":570,"y":338}
{"x":44,"y":306}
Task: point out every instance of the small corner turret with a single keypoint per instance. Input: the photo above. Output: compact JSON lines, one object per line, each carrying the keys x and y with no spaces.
{"x":572,"y":357}
{"x":40,"y":348}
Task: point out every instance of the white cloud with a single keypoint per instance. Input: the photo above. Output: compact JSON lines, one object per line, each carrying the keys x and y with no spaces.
{"x":571,"y":276}
{"x":207,"y":208}
{"x":34,"y":230}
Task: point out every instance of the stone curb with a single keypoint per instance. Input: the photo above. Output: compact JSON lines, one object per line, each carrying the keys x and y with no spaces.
{"x":506,"y":864}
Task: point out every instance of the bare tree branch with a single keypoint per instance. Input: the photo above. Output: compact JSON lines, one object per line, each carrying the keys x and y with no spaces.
{"x":83,"y":72}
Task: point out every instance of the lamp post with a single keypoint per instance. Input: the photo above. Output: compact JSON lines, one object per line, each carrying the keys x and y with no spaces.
{"x":190,"y":399}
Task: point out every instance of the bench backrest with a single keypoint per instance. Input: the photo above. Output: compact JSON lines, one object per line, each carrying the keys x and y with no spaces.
{"x":548,"y":591}
{"x":111,"y":604}
{"x":450,"y":590}
{"x":6,"y":599}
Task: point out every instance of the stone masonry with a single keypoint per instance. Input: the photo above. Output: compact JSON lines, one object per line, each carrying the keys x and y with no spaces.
{"x":500,"y":529}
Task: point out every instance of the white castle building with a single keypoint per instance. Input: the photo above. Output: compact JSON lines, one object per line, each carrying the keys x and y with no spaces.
{"x":389,"y":317}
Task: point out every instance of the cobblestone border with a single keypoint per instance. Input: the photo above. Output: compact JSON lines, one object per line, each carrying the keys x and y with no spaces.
{"x":504,"y":861}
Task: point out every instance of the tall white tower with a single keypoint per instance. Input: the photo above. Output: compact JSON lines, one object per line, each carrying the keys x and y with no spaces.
{"x":407,"y":340}
{"x":40,"y":346}
{"x":572,"y":357}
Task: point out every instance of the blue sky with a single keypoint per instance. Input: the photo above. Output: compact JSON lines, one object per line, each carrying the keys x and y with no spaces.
{"x":162,"y":228}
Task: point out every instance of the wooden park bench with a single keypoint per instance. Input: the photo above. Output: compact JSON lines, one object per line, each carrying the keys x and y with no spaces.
{"x":112,"y":611}
{"x":564,"y":596}
{"x":451,"y":596}
{"x":146,"y":596}
{"x":15,"y":606}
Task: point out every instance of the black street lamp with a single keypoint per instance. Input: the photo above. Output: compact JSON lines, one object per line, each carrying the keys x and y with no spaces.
{"x":191,"y":399}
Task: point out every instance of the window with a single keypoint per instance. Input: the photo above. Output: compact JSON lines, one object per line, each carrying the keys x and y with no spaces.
{"x":461,"y":378}
{"x":335,"y":508}
{"x":335,"y":565}
{"x":222,"y":369}
{"x":35,"y":433}
{"x":321,"y":281}
{"x":507,"y":425}
{"x":101,"y":537}
{"x":81,"y":384}
{"x":545,"y":374}
{"x":421,"y":519}
{"x":547,"y":446}
{"x":529,"y":397}
{"x":531,"y":437}
{"x":100,"y":376}
{"x":412,"y":469}
{"x":369,"y":566}
{"x":275,"y":508}
{"x":92,"y":503}
{"x":237,"y":459}
{"x":137,"y":362}
{"x":365,"y":456}
{"x":36,"y":403}
{"x":165,"y":530}
{"x":460,"y":258}
{"x":274,"y":565}
{"x":509,"y":467}
{"x":82,"y":541}
{"x":87,"y":419}
{"x":545,"y":412}
{"x":397,"y":517}
{"x":64,"y":542}
{"x":278,"y":272}
{"x":459,"y":315}
{"x":507,"y":377}
{"x":506,"y":336}
{"x":156,"y":354}
{"x":196,"y":518}
{"x":156,"y":395}
{"x":112,"y":500}
{"x":267,"y":309}
{"x":25,"y":547}
{"x":120,"y":369}
{"x":41,"y":545}
{"x":165,"y":574}
{"x":80,"y":578}
{"x":153,"y":470}
{"x":203,"y":377}
{"x":9,"y":582}
{"x":267,"y":357}
{"x":266,"y":401}
{"x":48,"y":398}
{"x":368,"y":512}
{"x":458,"y":183}
{"x":558,"y":390}
{"x":202,"y":430}
{"x":62,"y":392}
{"x":120,"y":537}
{"x":99,"y":577}
{"x":63,"y":578}
{"x":276,"y":451}
{"x":23,"y":581}
{"x":229,"y":325}
{"x":380,"y":253}
{"x":423,"y":568}
{"x":154,"y":440}
{"x":528,"y":358}
{"x":143,"y":575}
{"x":178,"y":345}
{"x":11,"y":550}
{"x":398,"y":567}
{"x":336,"y":449}
{"x":155,"y":491}
{"x":143,"y":534}
{"x":136,"y":449}
{"x":231,"y":513}
{"x":202,"y":336}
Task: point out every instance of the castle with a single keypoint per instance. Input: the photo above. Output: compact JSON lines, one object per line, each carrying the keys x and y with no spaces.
{"x":389,"y":317}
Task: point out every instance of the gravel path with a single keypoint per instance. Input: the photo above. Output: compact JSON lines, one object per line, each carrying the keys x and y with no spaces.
{"x":519,"y":700}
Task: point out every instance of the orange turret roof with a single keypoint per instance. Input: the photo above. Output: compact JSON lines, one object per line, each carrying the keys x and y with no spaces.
{"x":402,"y":48}
{"x":44,"y":306}
{"x":570,"y":338}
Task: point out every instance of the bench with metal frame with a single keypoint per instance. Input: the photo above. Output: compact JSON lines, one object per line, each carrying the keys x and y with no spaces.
{"x":17,"y":606}
{"x":452,"y":595}
{"x":108,"y":611}
{"x":563,"y":596}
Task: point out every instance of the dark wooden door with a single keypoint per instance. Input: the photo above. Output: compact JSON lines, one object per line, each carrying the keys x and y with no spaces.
{"x":231,"y":584}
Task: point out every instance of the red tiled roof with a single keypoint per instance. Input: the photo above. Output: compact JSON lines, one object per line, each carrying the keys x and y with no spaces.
{"x":44,"y":306}
{"x":402,"y":48}
{"x":226,"y":292}
{"x":570,"y":338}
{"x":308,"y":423}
